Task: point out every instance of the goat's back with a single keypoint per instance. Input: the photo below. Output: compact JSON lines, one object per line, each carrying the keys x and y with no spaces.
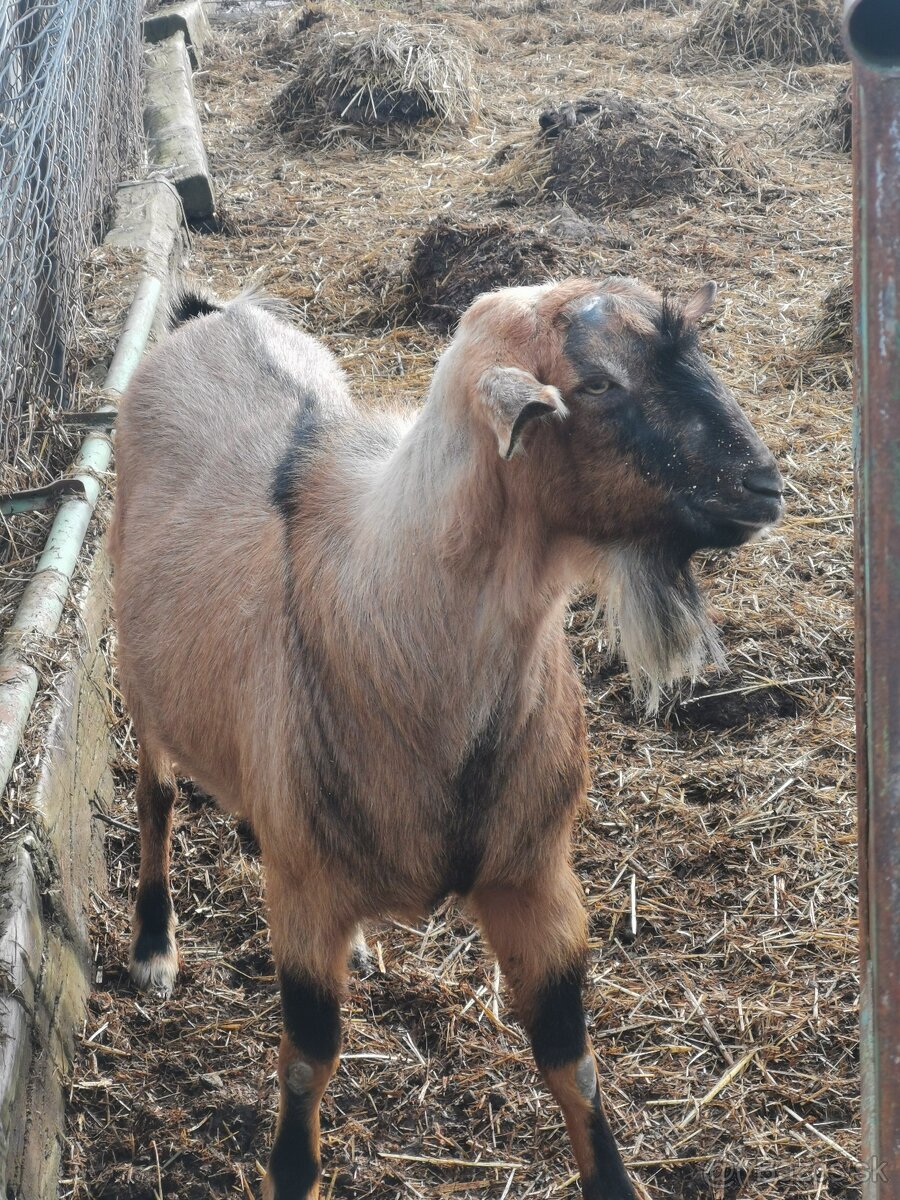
{"x":212,"y":409}
{"x":197,"y":542}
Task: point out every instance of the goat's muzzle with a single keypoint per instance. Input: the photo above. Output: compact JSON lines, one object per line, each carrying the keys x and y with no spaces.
{"x":749,"y":501}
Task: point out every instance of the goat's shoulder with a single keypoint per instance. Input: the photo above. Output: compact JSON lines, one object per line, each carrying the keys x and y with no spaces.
{"x":341,"y":445}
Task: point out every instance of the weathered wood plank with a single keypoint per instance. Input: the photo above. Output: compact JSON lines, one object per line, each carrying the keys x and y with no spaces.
{"x":188,"y":18}
{"x":174,"y":138}
{"x":45,"y":953}
{"x":148,"y":218}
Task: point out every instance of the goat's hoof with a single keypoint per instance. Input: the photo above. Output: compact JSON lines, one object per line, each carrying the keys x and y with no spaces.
{"x":154,"y":972}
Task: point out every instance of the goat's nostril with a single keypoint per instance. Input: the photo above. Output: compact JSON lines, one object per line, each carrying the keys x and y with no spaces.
{"x":765,"y":481}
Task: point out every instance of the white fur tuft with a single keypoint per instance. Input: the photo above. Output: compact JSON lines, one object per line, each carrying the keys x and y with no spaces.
{"x":156,"y":975}
{"x":657,"y":619}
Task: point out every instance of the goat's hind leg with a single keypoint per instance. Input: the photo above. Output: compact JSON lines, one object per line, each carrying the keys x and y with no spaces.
{"x":539,"y":936}
{"x":154,"y":957}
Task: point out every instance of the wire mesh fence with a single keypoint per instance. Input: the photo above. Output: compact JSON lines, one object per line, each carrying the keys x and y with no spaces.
{"x":70,"y":129}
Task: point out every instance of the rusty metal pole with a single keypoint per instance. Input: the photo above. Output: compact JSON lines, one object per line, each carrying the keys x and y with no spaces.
{"x":872,"y":33}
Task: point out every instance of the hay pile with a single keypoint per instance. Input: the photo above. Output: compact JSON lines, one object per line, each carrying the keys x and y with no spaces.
{"x":512,"y":8}
{"x":284,"y":35}
{"x":834,"y":120}
{"x":609,"y":151}
{"x":365,"y":76}
{"x":833,"y":332}
{"x":453,"y":261}
{"x":825,"y":358}
{"x":743,"y":32}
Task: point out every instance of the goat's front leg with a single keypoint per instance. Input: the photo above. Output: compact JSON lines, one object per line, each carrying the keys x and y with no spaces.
{"x":311,"y":944}
{"x":539,"y":935}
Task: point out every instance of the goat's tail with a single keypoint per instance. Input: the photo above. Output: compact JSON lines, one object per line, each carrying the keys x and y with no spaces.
{"x":190,"y":302}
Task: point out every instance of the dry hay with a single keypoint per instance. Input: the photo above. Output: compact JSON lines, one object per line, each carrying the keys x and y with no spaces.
{"x":670,"y":7}
{"x":454,"y":261}
{"x":834,"y":120}
{"x":484,"y":9}
{"x":609,"y":151}
{"x":825,"y":356}
{"x":284,"y":34}
{"x":510,"y":8}
{"x":744,"y":32}
{"x":374,"y":76}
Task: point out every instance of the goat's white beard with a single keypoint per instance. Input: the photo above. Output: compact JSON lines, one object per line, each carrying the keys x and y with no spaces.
{"x":657,"y":620}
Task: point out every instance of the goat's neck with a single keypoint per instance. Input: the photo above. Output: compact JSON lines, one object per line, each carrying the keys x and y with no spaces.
{"x":469,"y":560}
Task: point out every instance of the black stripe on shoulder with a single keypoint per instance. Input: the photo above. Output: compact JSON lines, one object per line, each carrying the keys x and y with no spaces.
{"x":474,"y":791}
{"x":187,"y":306}
{"x":304,"y":435}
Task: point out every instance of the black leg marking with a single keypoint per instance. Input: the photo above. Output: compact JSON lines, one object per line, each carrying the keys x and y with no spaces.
{"x":292,"y":1166}
{"x":153,"y":912}
{"x":312,"y":1026}
{"x":558,"y":1032}
{"x":312,"y":1018}
{"x":610,"y":1180}
{"x":559,"y":1039}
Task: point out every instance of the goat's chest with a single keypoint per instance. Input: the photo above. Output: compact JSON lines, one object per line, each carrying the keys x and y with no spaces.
{"x":512,"y":792}
{"x":474,"y":794}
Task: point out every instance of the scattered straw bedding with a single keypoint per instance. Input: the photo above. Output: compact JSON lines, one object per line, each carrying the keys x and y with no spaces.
{"x":834,"y":119}
{"x":725,"y":1017}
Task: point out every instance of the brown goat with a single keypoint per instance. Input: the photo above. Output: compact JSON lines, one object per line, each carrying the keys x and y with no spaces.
{"x":347,"y":626}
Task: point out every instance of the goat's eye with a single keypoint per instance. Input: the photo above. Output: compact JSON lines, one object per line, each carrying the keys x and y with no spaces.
{"x":596,"y":387}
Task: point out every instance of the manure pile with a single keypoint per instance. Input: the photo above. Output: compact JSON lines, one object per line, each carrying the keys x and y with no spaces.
{"x":453,"y":262}
{"x":608,"y":152}
{"x":825,"y":355}
{"x":717,"y":848}
{"x":834,"y":119}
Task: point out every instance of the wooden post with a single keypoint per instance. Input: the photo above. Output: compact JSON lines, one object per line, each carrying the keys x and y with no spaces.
{"x":872,"y":29}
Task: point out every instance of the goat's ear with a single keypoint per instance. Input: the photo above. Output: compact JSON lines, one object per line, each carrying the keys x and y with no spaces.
{"x":700,"y":302}
{"x":511,"y":398}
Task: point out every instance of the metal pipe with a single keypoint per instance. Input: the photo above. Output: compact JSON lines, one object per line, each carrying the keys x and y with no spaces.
{"x":40,"y":609}
{"x":872,"y":35}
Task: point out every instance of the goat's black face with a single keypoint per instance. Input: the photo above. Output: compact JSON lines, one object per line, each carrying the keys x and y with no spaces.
{"x":648,"y":409}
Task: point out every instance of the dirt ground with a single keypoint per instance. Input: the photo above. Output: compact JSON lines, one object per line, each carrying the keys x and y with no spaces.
{"x":717,"y":850}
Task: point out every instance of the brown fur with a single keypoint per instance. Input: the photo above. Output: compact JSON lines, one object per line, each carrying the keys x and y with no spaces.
{"x":374,"y":670}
